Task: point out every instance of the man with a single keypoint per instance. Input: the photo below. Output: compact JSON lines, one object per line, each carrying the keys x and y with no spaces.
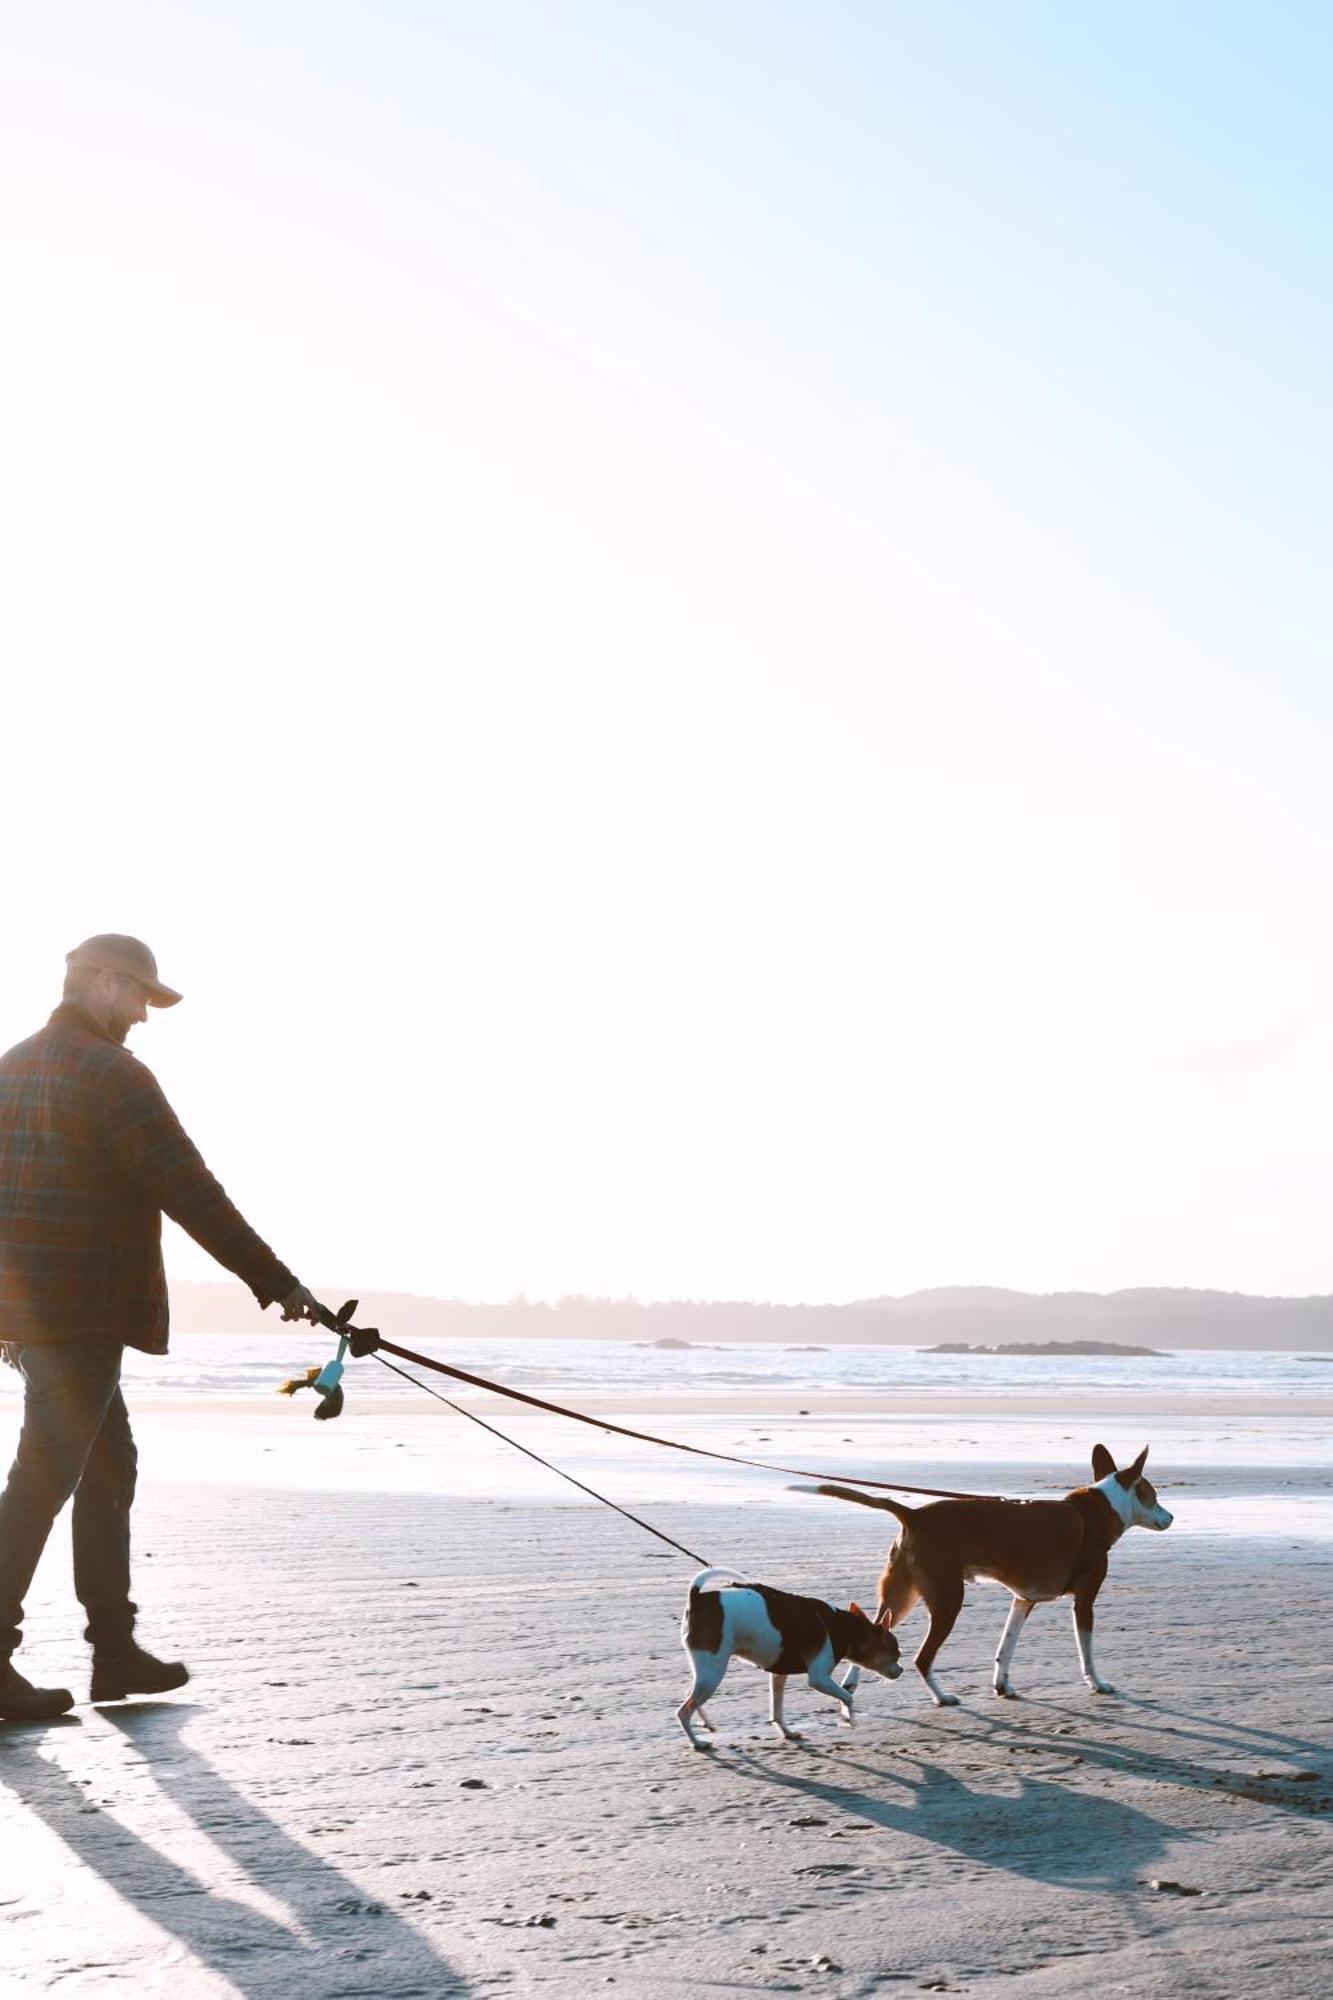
{"x":91,"y":1156}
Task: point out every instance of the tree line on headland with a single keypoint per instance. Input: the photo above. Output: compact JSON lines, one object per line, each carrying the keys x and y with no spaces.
{"x":1160,"y":1316}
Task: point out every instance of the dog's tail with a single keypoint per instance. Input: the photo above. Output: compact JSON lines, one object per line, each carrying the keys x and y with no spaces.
{"x":894,"y":1507}
{"x":708,"y":1577}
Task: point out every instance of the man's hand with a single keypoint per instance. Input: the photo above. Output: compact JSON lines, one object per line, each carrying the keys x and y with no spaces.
{"x":301,"y":1304}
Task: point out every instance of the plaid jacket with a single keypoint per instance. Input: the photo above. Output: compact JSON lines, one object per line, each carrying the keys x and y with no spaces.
{"x":91,"y":1155}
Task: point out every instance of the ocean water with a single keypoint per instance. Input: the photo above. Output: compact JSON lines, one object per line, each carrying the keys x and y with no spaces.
{"x":1224,"y":1471}
{"x":1227,"y":1473}
{"x":254,"y":1364}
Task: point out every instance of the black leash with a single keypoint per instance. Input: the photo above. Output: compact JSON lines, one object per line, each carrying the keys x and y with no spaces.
{"x":382,"y":1346}
{"x":360,"y":1341}
{"x":504,"y":1438}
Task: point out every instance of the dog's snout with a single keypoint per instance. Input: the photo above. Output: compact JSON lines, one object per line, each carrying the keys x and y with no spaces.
{"x":893,"y":1672}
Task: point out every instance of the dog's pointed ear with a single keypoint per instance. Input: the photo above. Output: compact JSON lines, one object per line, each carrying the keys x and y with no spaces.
{"x":856,"y":1611}
{"x":1132,"y":1472}
{"x":1103,"y":1465}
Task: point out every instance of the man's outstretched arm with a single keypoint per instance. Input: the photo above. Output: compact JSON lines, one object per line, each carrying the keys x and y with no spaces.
{"x":153,"y":1149}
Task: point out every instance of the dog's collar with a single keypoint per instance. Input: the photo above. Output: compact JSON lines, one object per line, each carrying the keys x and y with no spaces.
{"x":1091,"y":1507}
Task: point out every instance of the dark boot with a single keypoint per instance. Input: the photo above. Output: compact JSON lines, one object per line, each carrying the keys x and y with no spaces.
{"x":20,"y":1701}
{"x":127,"y":1669}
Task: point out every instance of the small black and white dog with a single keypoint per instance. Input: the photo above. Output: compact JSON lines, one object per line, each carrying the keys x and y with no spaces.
{"x":779,"y":1632}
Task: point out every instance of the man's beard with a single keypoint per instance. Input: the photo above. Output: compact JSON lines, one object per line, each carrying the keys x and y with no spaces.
{"x":118,"y":1030}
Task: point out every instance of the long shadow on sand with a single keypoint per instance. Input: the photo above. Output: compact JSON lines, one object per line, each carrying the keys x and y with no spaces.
{"x":1214,"y":1731}
{"x":1183,"y":1749}
{"x":1044,"y":1828}
{"x":1040,"y":1830}
{"x":337,"y":1942}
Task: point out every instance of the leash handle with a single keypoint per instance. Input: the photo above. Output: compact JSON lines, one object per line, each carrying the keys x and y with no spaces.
{"x":356,"y":1340}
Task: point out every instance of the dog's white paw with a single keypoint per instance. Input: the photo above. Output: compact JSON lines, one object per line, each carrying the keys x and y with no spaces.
{"x":1005,"y":1692}
{"x":944,"y":1700}
{"x":1101,"y":1687}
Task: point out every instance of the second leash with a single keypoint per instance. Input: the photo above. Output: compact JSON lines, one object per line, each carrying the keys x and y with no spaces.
{"x":537,"y":1458}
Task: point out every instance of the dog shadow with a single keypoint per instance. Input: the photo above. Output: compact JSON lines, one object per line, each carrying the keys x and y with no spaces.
{"x":1233,"y":1738}
{"x":332,"y":1925}
{"x":1177,"y":1751}
{"x":1050,"y":1830}
{"x":1039,"y":1830}
{"x":1040,"y":1826}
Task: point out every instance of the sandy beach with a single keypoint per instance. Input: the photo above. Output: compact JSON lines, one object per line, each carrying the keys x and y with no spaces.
{"x":429,"y":1748}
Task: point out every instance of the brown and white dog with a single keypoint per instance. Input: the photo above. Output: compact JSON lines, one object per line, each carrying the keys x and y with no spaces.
{"x":780,"y":1632}
{"x":1038,"y":1549}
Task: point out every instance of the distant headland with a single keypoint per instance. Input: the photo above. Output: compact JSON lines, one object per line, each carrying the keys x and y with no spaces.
{"x":972,"y":1316}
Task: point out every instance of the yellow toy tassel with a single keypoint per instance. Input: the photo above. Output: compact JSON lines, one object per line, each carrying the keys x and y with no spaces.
{"x":306,"y":1381}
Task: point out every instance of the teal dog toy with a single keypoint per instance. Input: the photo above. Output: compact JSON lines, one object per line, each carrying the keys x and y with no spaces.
{"x":327,"y":1381}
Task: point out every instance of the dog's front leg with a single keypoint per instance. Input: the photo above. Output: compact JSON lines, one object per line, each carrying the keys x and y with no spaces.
{"x":821,"y":1677}
{"x":1013,"y":1626}
{"x":1083,"y":1603}
{"x":777,"y":1688}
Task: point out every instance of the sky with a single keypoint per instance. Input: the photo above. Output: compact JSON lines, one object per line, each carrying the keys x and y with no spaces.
{"x":699,"y":632}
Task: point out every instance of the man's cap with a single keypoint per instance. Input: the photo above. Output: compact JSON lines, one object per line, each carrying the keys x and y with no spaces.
{"x":130,"y":957}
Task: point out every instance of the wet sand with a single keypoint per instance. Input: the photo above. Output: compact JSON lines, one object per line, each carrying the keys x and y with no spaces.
{"x":430,"y":1746}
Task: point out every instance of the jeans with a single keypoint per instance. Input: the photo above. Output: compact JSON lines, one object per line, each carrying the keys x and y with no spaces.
{"x":75,"y":1440}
